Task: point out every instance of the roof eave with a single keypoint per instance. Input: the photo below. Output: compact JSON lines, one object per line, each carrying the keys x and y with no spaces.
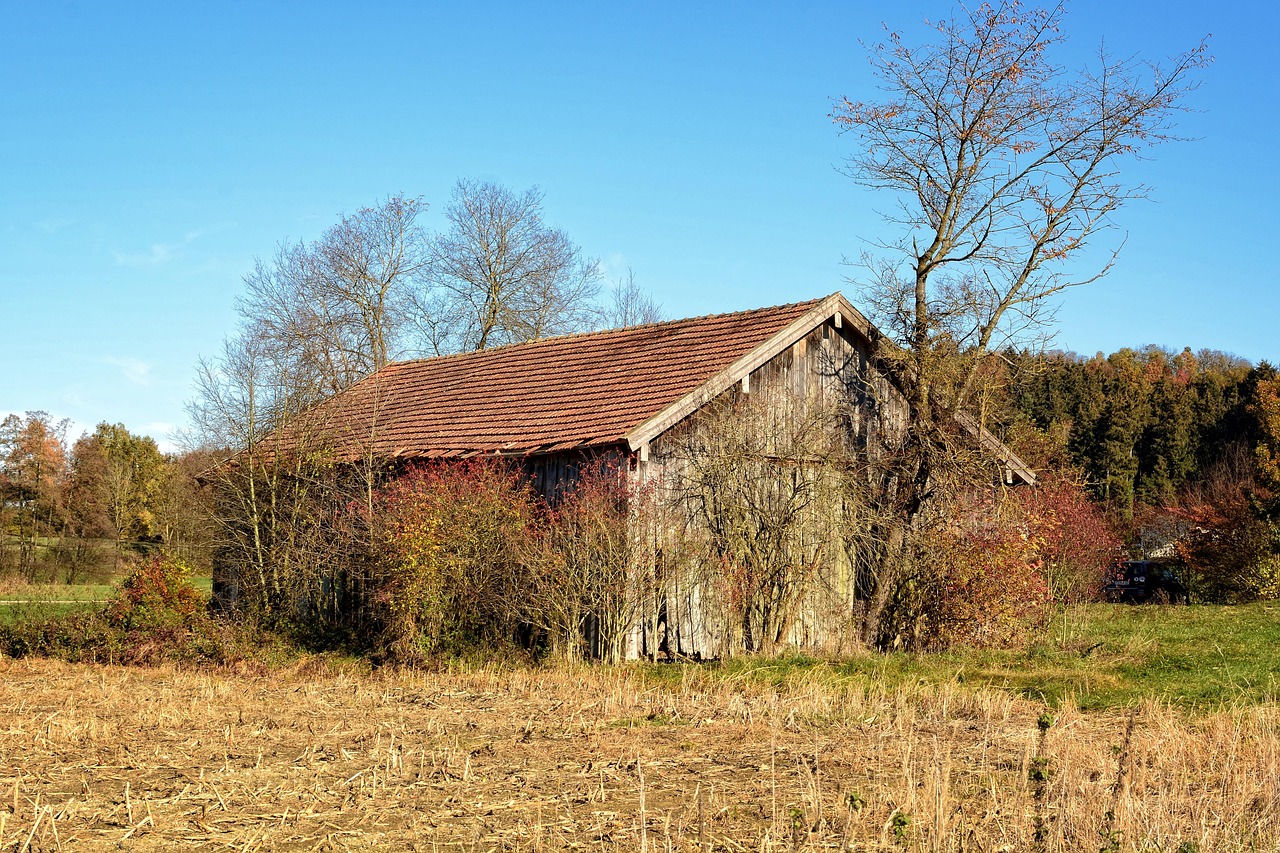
{"x":834,"y":304}
{"x":997,"y":448}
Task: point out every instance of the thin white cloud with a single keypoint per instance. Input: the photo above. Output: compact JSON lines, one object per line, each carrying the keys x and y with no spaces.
{"x":615,"y":266}
{"x":158,"y":253}
{"x":134,"y":370}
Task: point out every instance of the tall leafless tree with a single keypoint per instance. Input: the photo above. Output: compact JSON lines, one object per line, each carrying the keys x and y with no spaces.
{"x":279,"y":506}
{"x":630,"y":304}
{"x":760,"y":480}
{"x":502,"y":275}
{"x":339,"y":308}
{"x":1004,"y":168}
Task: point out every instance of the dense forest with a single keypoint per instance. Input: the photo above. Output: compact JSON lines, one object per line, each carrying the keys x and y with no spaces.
{"x":1141,"y":423}
{"x":1178,"y":449}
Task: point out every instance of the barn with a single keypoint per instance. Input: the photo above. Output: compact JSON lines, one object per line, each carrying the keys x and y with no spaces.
{"x":635,"y":395}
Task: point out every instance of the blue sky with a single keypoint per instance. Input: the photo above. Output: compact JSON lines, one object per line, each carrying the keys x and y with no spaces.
{"x":150,"y":152}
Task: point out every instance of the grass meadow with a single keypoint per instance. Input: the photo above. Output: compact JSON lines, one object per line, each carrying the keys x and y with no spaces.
{"x":1094,"y":657}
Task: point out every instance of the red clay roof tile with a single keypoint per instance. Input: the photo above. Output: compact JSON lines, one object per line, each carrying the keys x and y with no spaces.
{"x":572,"y":391}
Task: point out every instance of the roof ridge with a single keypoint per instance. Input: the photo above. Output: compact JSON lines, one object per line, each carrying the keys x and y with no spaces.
{"x":597,"y":332}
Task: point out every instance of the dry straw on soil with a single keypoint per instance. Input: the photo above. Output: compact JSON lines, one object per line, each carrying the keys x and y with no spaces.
{"x":598,"y":759}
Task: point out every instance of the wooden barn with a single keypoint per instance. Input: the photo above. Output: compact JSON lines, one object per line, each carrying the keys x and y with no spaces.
{"x":635,"y":395}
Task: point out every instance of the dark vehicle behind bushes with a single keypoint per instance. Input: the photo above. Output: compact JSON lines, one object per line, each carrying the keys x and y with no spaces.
{"x":1143,"y":581}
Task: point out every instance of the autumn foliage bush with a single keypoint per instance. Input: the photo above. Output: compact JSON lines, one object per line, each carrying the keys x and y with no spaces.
{"x":586,"y":578}
{"x":991,"y":573}
{"x":453,"y":554}
{"x":1077,"y":544}
{"x":155,"y":616}
{"x":158,"y":592}
{"x":1226,"y":534}
{"x":984,"y":579}
{"x":472,"y":559}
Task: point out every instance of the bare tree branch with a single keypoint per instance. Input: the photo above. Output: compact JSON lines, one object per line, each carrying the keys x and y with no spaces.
{"x":501,"y":275}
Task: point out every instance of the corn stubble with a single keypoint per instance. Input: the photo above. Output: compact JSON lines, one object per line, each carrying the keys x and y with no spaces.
{"x":603,"y":759}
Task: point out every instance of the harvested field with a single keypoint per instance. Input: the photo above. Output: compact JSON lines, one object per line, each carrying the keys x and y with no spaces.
{"x":603,"y":759}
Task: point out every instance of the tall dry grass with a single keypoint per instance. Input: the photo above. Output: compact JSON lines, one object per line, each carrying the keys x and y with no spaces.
{"x":608,"y":759}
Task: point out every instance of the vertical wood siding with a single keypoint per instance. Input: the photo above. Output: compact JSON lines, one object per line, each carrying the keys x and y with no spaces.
{"x":828,"y":368}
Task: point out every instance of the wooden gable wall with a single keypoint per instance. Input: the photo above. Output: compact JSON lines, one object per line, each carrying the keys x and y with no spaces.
{"x":829,"y":368}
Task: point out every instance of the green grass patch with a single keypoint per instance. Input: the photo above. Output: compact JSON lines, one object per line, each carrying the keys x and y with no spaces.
{"x":34,"y":602}
{"x":80,"y":592}
{"x":14,"y":613}
{"x":25,"y":602}
{"x":47,"y":592}
{"x":1101,"y":656}
{"x":1107,"y":656}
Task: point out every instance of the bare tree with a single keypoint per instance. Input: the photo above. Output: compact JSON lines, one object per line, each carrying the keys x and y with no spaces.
{"x":760,"y":478}
{"x":261,"y":493}
{"x":179,"y":517}
{"x":339,"y":309}
{"x":585,"y":585}
{"x":630,"y":304}
{"x":292,"y":531}
{"x":1005,"y":167}
{"x":501,"y":275}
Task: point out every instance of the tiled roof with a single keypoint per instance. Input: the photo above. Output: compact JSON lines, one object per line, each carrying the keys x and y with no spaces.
{"x":566,"y":392}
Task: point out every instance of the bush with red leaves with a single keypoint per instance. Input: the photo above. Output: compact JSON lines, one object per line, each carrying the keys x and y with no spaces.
{"x":158,"y":593}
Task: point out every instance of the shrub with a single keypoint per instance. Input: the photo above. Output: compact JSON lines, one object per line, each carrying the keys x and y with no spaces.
{"x":585,"y":583}
{"x":155,"y":616}
{"x":979,"y":578}
{"x":91,"y":637}
{"x":82,"y":637}
{"x":158,"y":593}
{"x":1227,"y":537}
{"x":1231,"y":558}
{"x":455,"y":545}
{"x":1077,"y":544}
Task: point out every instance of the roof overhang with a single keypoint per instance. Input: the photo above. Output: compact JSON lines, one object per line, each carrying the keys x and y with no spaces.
{"x":1014,"y":466}
{"x":834,"y":307}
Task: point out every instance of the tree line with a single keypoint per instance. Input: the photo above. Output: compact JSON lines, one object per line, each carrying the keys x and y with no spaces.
{"x":76,"y":510}
{"x":1176,"y":447}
